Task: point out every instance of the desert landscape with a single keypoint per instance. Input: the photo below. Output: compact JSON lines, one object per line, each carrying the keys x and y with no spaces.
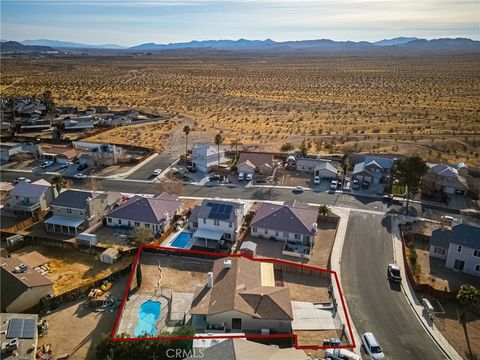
{"x":425,"y":105}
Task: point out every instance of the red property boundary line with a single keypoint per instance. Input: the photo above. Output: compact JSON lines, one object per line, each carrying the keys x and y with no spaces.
{"x":273,"y":336}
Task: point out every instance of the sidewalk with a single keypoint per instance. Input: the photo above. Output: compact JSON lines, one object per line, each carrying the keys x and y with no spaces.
{"x":414,"y":302}
{"x":335,"y":260}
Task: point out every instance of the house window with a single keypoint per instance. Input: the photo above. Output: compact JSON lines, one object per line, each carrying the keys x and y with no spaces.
{"x":476,"y":253}
{"x":266,"y":231}
{"x":216,"y":222}
{"x":109,"y":220}
{"x":204,"y":221}
{"x":297,"y":237}
{"x":69,"y":211}
{"x":459,"y":248}
{"x":439,"y":250}
{"x":477,"y":268}
{"x":236,"y":323}
{"x":306,"y":238}
{"x":459,"y":265}
{"x":254,"y":229}
{"x":137,"y":223}
{"x":276,"y":232}
{"x":119,"y":222}
{"x":129,"y":223}
{"x":147,"y":226}
{"x":230,"y":224}
{"x":227,"y":236}
{"x":285,"y":235}
{"x":17,"y":197}
{"x":195,"y":224}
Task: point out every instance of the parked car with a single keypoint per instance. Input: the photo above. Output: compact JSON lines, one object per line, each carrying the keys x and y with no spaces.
{"x":355,"y":184}
{"x":334,"y":185}
{"x":297,"y":190}
{"x":215,"y":178}
{"x":371,"y":346}
{"x":157,"y":172}
{"x":393,"y":273}
{"x":241,"y":176}
{"x":46,"y":164}
{"x":365,"y":185}
{"x":80,"y":176}
{"x":66,"y":165}
{"x":316,"y":180}
{"x":22,"y":179}
{"x":340,"y":354}
{"x":249,"y":177}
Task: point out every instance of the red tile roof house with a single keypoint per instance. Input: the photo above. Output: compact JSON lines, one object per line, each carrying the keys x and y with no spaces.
{"x":295,"y":223}
{"x":155,"y":213}
{"x":30,"y":199}
{"x":240,"y":296}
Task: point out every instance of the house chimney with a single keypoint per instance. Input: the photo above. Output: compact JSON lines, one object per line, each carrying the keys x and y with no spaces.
{"x":227,"y":264}
{"x":210,"y":280}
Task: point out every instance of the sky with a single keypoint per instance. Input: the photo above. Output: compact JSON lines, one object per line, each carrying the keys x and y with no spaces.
{"x":129,"y":22}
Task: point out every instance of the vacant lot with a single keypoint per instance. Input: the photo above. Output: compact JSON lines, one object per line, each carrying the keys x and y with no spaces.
{"x":426,"y":105}
{"x":70,"y":269}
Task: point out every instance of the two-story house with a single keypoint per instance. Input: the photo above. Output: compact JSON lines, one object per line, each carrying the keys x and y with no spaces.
{"x":459,"y":247}
{"x":446,"y":178}
{"x":206,"y":156}
{"x":31,"y":199}
{"x":240,"y":296}
{"x":216,"y":220}
{"x":374,"y":169}
{"x":155,"y":213}
{"x":294,"y":222}
{"x":75,"y":211}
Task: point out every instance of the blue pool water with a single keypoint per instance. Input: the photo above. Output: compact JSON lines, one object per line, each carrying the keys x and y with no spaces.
{"x":147,"y":317}
{"x":182,"y":240}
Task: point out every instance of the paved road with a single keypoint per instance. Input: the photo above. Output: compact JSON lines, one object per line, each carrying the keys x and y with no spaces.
{"x":145,"y":172}
{"x":374,"y":304}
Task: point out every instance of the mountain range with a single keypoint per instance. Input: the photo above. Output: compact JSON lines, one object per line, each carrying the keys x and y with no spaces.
{"x":402,"y":44}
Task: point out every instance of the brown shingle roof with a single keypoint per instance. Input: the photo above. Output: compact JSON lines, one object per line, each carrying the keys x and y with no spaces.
{"x":256,"y":159}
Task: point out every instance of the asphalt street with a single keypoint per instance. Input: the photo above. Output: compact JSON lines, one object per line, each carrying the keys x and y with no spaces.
{"x":145,"y":172}
{"x":374,"y":303}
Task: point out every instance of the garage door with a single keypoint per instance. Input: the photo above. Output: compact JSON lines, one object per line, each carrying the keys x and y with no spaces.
{"x":449,"y":190}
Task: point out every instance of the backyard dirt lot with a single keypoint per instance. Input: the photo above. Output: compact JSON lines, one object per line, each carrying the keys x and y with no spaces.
{"x":85,"y":327}
{"x":180,"y":274}
{"x":306,"y":288}
{"x":70,"y":269}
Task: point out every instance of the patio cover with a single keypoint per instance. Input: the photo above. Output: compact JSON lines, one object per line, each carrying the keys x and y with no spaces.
{"x":208,"y":234}
{"x":64,"y":221}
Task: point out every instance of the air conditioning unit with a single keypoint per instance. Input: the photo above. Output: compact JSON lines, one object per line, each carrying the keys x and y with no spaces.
{"x":227,"y":264}
{"x":265,"y":331}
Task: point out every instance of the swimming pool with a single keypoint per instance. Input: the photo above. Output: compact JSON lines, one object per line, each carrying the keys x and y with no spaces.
{"x":147,"y":317}
{"x":182,"y":240}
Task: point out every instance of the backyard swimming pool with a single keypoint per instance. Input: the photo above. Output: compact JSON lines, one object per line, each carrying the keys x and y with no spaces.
{"x":182,"y":240}
{"x":148,"y":314}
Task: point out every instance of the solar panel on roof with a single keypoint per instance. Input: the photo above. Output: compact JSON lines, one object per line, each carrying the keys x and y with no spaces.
{"x":21,"y":328}
{"x":221,"y":208}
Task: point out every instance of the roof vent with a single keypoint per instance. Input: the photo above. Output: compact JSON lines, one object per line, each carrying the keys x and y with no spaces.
{"x":227,"y":264}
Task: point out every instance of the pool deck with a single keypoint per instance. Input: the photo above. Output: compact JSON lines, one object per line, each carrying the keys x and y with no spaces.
{"x":169,"y":240}
{"x":129,"y":317}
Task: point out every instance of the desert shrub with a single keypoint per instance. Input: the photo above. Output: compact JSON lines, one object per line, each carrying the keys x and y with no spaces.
{"x":412,"y":254}
{"x":287,"y":147}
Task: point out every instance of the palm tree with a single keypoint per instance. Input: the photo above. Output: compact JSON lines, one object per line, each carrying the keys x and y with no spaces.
{"x":468,"y":295}
{"x":58,"y":181}
{"x":186,"y":130}
{"x":218,"y":142}
{"x":235,"y":143}
{"x":324,"y":210}
{"x":409,"y":173}
{"x":10,"y":105}
{"x":49,"y":104}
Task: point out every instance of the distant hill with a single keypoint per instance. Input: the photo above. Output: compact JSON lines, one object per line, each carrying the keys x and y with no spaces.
{"x":13,"y":46}
{"x":395,"y":41}
{"x":69,"y":45}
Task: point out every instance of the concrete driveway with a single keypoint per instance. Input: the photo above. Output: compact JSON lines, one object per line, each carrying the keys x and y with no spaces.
{"x":374,"y":304}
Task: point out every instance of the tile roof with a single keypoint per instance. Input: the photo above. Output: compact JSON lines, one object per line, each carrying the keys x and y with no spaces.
{"x":461,"y":234}
{"x":153,"y":210}
{"x":25,"y":189}
{"x":204,"y":210}
{"x":256,"y":159}
{"x":384,"y":162}
{"x":75,"y":199}
{"x":294,"y":217}
{"x":239,"y":288}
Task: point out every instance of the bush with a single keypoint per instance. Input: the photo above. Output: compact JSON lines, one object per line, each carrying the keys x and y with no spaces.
{"x":287,"y":147}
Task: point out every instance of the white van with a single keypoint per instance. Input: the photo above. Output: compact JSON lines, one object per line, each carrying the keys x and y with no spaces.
{"x":371,"y":346}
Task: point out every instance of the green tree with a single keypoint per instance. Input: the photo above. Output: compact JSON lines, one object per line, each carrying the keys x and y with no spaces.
{"x":186,"y":131}
{"x":58,"y":181}
{"x":468,"y":295}
{"x":324,"y":210}
{"x":409,"y":173}
{"x":49,"y":103}
{"x":303,"y":148}
{"x":218,"y":142}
